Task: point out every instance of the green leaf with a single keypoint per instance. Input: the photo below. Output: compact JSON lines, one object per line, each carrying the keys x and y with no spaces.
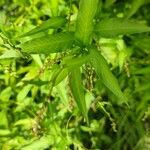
{"x":136,"y":4}
{"x":2,"y":19}
{"x":108,"y":3}
{"x":4,"y":132}
{"x":143,"y":70}
{"x":54,"y":6}
{"x":39,"y":144}
{"x":143,"y":87}
{"x":69,"y":63}
{"x":84,"y":27}
{"x":55,"y":22}
{"x":10,"y":54}
{"x":6,"y":94}
{"x":63,"y":93}
{"x":27,"y":123}
{"x":78,"y":91}
{"x":59,"y":75}
{"x":23,"y":103}
{"x":49,"y":44}
{"x":73,"y":62}
{"x":23,"y":93}
{"x":37,"y":59}
{"x":32,"y":74}
{"x":106,"y":76}
{"x":115,"y":26}
{"x":4,"y":120}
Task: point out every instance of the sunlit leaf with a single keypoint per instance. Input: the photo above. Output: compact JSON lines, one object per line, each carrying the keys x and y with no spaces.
{"x":26,"y":123}
{"x":10,"y":54}
{"x":4,"y":132}
{"x":114,"y":26}
{"x":63,"y":93}
{"x":37,"y":59}
{"x":23,"y":93}
{"x":39,"y":144}
{"x":23,"y":103}
{"x":33,"y":73}
{"x":54,"y":6}
{"x":49,"y":44}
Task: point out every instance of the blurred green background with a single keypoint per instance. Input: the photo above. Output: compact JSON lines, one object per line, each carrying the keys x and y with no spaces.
{"x":32,"y":118}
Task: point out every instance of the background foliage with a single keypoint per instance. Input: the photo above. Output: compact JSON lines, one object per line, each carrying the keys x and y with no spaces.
{"x":37,"y":107}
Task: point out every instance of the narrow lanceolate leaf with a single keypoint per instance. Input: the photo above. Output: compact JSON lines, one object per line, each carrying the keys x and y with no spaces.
{"x":55,"y":22}
{"x":136,"y":4}
{"x":106,"y":76}
{"x":115,"y":26}
{"x":78,"y":91}
{"x":84,"y":27}
{"x":48,"y":44}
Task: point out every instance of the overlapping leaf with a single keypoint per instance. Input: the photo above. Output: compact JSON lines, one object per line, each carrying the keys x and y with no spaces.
{"x":115,"y":26}
{"x":49,"y":44}
{"x":55,"y":22}
{"x":59,"y":75}
{"x":84,"y":27}
{"x":69,"y":64}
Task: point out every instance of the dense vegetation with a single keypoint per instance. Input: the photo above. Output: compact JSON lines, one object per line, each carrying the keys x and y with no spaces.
{"x":74,"y":74}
